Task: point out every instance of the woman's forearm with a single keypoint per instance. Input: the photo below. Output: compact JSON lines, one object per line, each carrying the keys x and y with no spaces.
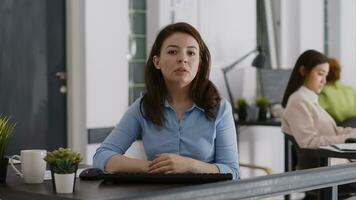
{"x":203,"y":167}
{"x":120,"y":163}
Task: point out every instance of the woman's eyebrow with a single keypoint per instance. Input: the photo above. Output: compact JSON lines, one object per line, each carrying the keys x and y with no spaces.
{"x":172,"y":45}
{"x":192,"y":47}
{"x":176,"y":46}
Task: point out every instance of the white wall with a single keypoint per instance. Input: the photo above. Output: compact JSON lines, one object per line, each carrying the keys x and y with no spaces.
{"x":162,"y":12}
{"x":334,"y":28}
{"x":107,"y":29}
{"x":97,"y":45}
{"x":342,"y":37}
{"x":348,"y":41}
{"x":311,"y":25}
{"x":229,"y":29}
{"x":290,"y":46}
{"x":301,"y":29}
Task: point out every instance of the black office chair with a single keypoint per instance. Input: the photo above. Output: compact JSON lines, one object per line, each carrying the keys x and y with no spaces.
{"x":291,"y":162}
{"x":301,"y":158}
{"x":349,"y":122}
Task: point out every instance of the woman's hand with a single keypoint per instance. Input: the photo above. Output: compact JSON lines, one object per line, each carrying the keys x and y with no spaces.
{"x":170,"y":163}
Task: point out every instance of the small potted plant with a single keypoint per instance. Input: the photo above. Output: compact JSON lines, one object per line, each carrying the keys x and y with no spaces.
{"x":262,"y":104}
{"x":6,"y":130}
{"x":241,"y":105}
{"x":63,"y":163}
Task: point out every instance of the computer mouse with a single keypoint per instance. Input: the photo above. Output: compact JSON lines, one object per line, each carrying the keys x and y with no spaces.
{"x":91,"y":174}
{"x":350,"y":140}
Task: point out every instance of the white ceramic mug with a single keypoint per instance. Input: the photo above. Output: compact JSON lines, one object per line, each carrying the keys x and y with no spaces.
{"x":32,"y":164}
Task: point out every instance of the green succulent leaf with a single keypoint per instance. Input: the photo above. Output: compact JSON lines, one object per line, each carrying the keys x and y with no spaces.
{"x":63,"y":160}
{"x":241,"y":102}
{"x":262,"y":102}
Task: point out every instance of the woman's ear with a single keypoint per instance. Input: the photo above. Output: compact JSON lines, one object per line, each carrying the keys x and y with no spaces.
{"x":156,"y":61}
{"x":302,"y":71}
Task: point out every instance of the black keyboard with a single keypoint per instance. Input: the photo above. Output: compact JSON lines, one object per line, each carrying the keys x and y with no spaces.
{"x":180,"y":178}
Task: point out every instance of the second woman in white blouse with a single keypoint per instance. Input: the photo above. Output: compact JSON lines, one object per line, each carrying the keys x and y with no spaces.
{"x":303,"y":117}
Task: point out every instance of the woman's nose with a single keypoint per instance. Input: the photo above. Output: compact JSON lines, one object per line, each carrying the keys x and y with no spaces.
{"x":182,"y":59}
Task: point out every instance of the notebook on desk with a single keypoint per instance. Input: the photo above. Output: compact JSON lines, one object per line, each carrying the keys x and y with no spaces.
{"x":345,"y":147}
{"x":179,"y":178}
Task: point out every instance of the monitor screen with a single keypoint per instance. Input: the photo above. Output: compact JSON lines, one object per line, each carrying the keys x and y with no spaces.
{"x":274,"y":83}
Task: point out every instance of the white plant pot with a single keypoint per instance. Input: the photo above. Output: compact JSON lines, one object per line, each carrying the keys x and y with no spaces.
{"x":64,"y":182}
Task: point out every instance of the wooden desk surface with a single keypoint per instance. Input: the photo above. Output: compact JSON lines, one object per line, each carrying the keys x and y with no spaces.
{"x":16,"y":189}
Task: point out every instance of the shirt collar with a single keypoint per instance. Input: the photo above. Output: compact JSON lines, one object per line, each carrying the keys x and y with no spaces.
{"x":311,"y":94}
{"x":167,"y":105}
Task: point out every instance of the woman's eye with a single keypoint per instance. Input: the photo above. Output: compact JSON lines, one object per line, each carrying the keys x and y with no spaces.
{"x":172,"y":52}
{"x":191,"y":53}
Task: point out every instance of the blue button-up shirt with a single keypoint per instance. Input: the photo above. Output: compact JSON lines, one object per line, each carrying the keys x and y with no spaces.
{"x":194,"y":136}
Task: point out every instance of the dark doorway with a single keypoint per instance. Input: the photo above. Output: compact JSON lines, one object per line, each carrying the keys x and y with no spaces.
{"x":32,"y":52}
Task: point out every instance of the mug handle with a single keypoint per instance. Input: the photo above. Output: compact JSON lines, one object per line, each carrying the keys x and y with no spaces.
{"x":13,"y":166}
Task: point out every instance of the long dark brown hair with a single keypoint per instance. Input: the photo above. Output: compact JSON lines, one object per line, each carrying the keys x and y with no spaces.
{"x":202,"y":91}
{"x":309,"y":59}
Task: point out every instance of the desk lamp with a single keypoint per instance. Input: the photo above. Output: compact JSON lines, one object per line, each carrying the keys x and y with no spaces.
{"x":259,"y":62}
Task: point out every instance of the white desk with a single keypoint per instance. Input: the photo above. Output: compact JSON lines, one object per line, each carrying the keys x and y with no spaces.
{"x":261,"y":145}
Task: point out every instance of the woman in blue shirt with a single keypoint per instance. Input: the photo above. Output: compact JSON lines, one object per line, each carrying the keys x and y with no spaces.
{"x":184,"y":124}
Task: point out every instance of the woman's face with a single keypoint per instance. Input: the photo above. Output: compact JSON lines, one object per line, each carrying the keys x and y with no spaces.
{"x":315,"y":80}
{"x":178,"y":59}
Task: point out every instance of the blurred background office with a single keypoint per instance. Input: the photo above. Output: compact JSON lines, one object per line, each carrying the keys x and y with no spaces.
{"x":69,"y":69}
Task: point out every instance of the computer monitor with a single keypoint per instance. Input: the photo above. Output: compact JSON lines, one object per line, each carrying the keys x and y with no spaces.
{"x":273,"y":83}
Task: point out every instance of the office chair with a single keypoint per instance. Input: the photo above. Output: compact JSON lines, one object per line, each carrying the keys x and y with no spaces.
{"x":291,"y":162}
{"x":349,"y":122}
{"x":297,"y":158}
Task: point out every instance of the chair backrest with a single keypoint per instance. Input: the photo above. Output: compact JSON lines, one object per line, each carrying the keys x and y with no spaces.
{"x":293,"y":152}
{"x":292,"y":140}
{"x":290,"y":157}
{"x":296,"y":157}
{"x":349,"y":122}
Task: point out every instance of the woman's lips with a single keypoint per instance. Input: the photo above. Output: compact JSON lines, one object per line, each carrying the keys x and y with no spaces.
{"x":181,"y":70}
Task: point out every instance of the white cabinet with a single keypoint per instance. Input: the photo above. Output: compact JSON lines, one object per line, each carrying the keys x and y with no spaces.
{"x":261,"y":145}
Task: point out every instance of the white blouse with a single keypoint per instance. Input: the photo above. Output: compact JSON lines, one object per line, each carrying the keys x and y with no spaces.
{"x":309,"y":123}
